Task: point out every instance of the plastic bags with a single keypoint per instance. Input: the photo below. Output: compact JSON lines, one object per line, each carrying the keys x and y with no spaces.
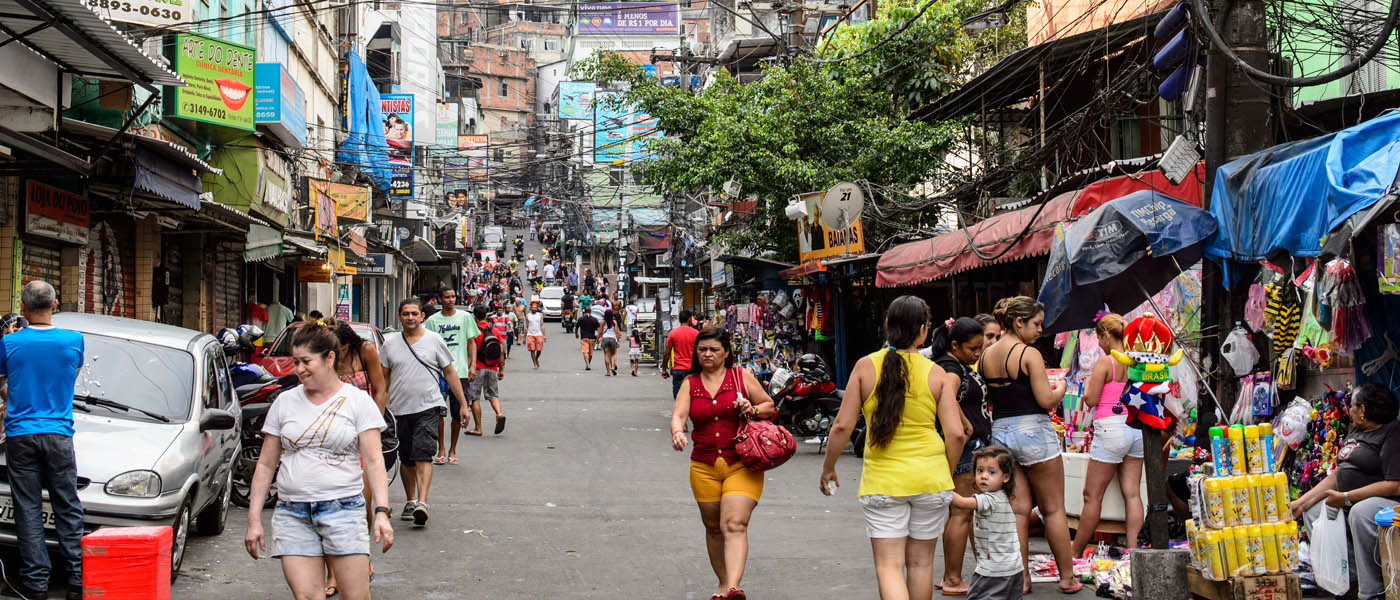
{"x":1239,"y":352}
{"x":1331,"y":562}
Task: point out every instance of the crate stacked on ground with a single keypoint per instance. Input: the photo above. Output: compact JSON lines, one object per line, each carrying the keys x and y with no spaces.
{"x":1242,"y":525}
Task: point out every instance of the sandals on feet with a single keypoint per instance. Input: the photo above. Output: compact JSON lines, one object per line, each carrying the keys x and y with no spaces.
{"x":331,"y":591}
{"x":439,"y":460}
{"x":1071,"y":590}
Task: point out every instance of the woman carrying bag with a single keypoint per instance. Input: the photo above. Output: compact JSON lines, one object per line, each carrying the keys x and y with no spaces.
{"x":906,"y":481}
{"x":715,"y":398}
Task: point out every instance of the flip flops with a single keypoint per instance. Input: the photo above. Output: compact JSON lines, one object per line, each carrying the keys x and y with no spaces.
{"x":439,"y":460}
{"x":500,"y":425}
{"x":1071,"y":590}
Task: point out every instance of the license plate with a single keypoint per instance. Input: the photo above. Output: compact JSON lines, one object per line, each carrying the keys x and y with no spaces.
{"x":7,"y":512}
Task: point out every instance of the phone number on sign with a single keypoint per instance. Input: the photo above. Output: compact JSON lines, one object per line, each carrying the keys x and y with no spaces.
{"x":191,"y":108}
{"x":127,"y":7}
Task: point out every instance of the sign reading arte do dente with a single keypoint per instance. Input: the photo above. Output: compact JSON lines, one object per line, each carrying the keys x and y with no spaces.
{"x":220,"y":77}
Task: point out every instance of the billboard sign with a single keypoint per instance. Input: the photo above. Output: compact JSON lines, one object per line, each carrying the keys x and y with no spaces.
{"x":816,"y":241}
{"x":220,"y":77}
{"x":477,"y":149}
{"x":447,"y":119}
{"x":455,"y":171}
{"x":349,"y":201}
{"x":398,"y":134}
{"x":155,"y":13}
{"x":576,"y":99}
{"x":279,"y":104}
{"x":628,"y":18}
{"x":612,"y":129}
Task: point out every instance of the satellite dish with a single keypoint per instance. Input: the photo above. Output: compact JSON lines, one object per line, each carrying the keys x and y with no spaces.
{"x":732,"y":188}
{"x":841,"y":205}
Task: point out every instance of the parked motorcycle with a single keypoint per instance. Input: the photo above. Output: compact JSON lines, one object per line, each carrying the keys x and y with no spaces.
{"x":807,"y":401}
{"x":254,"y":400}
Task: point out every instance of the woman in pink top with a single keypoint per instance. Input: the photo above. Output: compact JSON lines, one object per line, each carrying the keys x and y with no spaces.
{"x":1117,"y":448}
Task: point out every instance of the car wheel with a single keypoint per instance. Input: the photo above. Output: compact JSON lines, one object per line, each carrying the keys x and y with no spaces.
{"x":212,"y":519}
{"x":180,"y":535}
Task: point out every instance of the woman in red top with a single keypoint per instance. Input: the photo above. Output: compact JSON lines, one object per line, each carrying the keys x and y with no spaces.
{"x":726,"y":491}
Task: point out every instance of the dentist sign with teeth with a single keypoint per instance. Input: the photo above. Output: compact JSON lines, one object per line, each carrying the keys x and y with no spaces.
{"x":221,"y":78}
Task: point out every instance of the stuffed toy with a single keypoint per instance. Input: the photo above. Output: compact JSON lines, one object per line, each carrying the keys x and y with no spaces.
{"x":1147,"y":340}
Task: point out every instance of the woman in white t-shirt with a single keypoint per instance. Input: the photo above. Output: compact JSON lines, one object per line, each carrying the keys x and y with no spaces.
{"x":320,"y":439}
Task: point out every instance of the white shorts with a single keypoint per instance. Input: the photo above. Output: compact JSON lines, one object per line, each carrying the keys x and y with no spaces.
{"x":1115,"y":440}
{"x":920,"y":517}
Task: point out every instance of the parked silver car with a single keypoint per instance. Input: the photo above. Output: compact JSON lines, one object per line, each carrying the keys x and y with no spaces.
{"x":156,"y":430}
{"x":551,"y":301}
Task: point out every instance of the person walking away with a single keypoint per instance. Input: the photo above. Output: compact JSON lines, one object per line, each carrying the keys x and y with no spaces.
{"x":957,"y":344}
{"x":534,"y":333}
{"x":634,"y":350}
{"x":725,"y":490}
{"x":1365,"y":482}
{"x":586,"y":330}
{"x":321,"y":439}
{"x":549,"y":273}
{"x":632,"y":311}
{"x":1117,"y":448}
{"x":906,"y":480}
{"x":609,"y":341}
{"x":459,"y":331}
{"x":1020,"y":395}
{"x":679,"y":350}
{"x":40,"y":365}
{"x":500,"y":327}
{"x":490,"y":361}
{"x":416,"y":359}
{"x":998,"y":575}
{"x":357,"y":364}
{"x":512,"y":325}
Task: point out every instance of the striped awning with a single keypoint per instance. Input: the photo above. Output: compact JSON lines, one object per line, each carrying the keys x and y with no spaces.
{"x":263,"y":242}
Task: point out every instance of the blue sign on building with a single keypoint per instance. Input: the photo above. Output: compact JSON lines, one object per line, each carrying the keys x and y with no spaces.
{"x":279,"y":104}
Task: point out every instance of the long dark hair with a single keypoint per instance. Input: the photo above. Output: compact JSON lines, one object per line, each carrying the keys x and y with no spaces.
{"x":711,"y":333}
{"x":961,"y":331}
{"x":905,"y":318}
{"x":345,"y":334}
{"x":317,"y":337}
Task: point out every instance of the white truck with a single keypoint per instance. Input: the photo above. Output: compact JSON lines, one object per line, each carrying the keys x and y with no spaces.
{"x":494,"y":238}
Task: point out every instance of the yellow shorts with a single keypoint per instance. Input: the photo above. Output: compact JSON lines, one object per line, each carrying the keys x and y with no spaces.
{"x":709,"y":483}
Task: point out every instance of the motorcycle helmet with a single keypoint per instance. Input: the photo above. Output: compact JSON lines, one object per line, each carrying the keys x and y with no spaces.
{"x":252,"y":331}
{"x":812,"y":368}
{"x":229,"y":338}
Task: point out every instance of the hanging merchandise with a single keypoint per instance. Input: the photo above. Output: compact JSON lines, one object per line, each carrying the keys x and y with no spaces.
{"x":1285,"y":315}
{"x":1147,"y":341}
{"x":1254,"y":308}
{"x":1388,"y":263}
{"x":1239,"y":351}
{"x":1293,"y":425}
{"x":1286,"y":370}
{"x":1349,"y":324}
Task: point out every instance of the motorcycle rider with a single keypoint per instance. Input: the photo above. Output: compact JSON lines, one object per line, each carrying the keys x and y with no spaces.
{"x":566,"y":308}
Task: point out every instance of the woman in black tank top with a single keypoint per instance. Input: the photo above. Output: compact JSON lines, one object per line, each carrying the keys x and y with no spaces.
{"x":1021,"y":397}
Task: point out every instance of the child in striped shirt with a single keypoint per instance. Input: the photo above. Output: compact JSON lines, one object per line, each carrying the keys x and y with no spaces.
{"x":999,"y":572}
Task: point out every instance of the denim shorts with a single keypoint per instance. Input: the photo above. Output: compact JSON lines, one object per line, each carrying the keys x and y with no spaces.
{"x":1030,"y":438}
{"x":965,"y":461}
{"x":325,"y":528}
{"x":1114,"y":440}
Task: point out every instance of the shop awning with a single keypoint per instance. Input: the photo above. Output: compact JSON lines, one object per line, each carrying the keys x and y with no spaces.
{"x":999,"y":237}
{"x":263,"y":242}
{"x":802,"y":270}
{"x":78,"y":40}
{"x":171,"y":151}
{"x":1284,"y":199}
{"x":305,"y":246}
{"x":165,"y":179}
{"x":421,"y":250}
{"x":227,"y":215}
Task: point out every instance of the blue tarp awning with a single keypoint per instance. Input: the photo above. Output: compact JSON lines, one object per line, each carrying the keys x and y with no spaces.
{"x":1286,"y":198}
{"x":364,"y":144}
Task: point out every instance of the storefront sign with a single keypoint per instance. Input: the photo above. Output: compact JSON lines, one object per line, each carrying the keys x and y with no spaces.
{"x":279,"y":104}
{"x":54,"y":213}
{"x":336,"y":256}
{"x":816,"y":241}
{"x":576,"y":99}
{"x":612,"y":128}
{"x":156,"y":13}
{"x":447,"y":123}
{"x":220,"y":77}
{"x":398,"y":134}
{"x":324,"y":208}
{"x":628,"y":18}
{"x":349,"y":201}
{"x":477,"y":149}
{"x":383,"y":265}
{"x":342,"y":312}
{"x":313,"y":271}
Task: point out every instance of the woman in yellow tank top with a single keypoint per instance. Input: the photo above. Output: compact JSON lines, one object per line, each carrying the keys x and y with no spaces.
{"x":906,"y":482}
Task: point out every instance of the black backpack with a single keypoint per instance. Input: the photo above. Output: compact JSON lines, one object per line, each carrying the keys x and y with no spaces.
{"x":490,"y":350}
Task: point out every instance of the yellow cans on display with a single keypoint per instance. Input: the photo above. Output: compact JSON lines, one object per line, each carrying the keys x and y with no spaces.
{"x":1270,"y":543}
{"x":1215,"y":503}
{"x":1244,"y":503}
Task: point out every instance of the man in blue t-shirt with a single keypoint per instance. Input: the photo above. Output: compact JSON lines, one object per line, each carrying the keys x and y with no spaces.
{"x":40,"y":365}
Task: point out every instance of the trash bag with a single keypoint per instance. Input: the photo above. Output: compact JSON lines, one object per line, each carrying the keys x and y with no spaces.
{"x":1330,"y":559}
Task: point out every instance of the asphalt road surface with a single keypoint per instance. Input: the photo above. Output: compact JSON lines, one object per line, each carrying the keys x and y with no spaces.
{"x":583,"y":497}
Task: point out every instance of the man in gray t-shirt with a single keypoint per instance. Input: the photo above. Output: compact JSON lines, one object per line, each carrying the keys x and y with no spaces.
{"x":413,"y":362}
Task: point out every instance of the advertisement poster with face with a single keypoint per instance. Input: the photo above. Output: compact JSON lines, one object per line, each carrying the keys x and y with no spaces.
{"x":398,"y":134}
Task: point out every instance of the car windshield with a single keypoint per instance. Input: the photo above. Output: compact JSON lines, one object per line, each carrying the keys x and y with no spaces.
{"x":141,"y":375}
{"x":552,"y":293}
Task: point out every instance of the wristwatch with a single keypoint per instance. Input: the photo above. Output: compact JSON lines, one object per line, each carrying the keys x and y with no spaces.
{"x":381,"y":509}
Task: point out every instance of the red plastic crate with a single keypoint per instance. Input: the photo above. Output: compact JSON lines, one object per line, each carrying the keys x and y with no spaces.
{"x":127,"y":562}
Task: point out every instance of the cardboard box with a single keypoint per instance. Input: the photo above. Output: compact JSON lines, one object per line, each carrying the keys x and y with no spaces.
{"x":1277,"y":586}
{"x":1389,"y":539}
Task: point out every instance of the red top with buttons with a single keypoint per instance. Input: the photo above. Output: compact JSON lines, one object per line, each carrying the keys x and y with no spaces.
{"x":715,"y":419}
